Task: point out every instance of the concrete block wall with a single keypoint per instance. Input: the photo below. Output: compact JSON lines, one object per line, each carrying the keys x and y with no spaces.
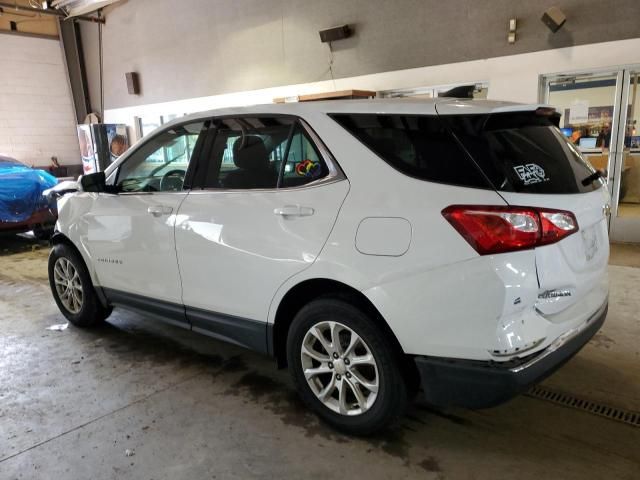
{"x":36,"y":111}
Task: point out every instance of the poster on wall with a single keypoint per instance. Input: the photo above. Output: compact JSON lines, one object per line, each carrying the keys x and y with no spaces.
{"x":601,"y":114}
{"x":101,"y":144}
{"x":87,"y":152}
{"x":595,"y":116}
{"x":579,"y":112}
{"x":117,"y":140}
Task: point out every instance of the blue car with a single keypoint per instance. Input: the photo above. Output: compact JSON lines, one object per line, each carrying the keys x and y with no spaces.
{"x":22,"y":206}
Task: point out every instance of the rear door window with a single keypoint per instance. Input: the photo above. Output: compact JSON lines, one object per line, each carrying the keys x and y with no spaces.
{"x":523,"y":152}
{"x":262,"y":153}
{"x":417,"y":145}
{"x":247,"y":152}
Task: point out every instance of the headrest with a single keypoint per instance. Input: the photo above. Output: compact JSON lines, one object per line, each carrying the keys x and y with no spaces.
{"x":252,"y":155}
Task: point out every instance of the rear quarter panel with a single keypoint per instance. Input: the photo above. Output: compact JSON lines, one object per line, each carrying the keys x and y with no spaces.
{"x":429,"y":293}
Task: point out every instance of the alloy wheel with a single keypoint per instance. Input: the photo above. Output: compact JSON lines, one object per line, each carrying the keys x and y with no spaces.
{"x":340,"y":368}
{"x":68,"y":285}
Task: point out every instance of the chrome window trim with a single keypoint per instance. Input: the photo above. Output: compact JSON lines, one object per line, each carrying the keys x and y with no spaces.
{"x":185,"y":191}
{"x":319,"y":183}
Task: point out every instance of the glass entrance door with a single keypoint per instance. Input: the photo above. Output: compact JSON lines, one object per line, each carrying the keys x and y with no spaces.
{"x":600,"y":113}
{"x":625,"y":221}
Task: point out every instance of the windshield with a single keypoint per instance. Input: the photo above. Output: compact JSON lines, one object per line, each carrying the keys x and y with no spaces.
{"x":523,"y":152}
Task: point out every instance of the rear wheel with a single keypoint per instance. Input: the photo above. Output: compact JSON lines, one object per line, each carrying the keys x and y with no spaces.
{"x":344,"y":368}
{"x":72,"y":288}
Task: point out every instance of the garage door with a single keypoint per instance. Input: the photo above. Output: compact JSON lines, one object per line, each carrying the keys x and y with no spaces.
{"x":37,"y":120}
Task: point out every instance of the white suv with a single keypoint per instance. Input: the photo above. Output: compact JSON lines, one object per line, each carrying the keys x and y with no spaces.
{"x":372,"y":247}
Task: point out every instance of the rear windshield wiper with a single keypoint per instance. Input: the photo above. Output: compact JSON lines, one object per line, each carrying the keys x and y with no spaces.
{"x":592,"y":178}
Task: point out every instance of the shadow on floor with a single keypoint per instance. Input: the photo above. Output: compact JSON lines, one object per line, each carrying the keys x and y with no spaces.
{"x":20,"y":243}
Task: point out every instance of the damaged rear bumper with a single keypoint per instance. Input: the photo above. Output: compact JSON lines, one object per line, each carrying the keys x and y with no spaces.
{"x":480,"y":384}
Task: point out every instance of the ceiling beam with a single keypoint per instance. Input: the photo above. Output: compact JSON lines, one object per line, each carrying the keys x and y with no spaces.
{"x":7,"y":7}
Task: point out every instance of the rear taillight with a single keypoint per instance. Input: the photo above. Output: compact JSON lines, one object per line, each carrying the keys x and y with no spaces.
{"x":493,"y":229}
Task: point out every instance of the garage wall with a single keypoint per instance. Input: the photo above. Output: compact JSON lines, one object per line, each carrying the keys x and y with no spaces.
{"x":36,"y":111}
{"x":206,"y":47}
{"x":515,"y":78}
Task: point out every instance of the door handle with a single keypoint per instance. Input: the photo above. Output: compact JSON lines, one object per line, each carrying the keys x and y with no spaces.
{"x":294,"y":211}
{"x":159,"y":210}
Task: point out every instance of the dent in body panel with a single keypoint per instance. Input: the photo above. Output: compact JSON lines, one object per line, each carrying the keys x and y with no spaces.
{"x":72,"y":210}
{"x":471,"y":309}
{"x":450,"y":311}
{"x":519,"y":328}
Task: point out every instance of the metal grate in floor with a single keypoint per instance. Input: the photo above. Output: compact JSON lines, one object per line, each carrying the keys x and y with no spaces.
{"x":612,"y":413}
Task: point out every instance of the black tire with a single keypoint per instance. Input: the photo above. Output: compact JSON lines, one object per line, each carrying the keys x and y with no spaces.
{"x":91,"y":311}
{"x":391,"y":400}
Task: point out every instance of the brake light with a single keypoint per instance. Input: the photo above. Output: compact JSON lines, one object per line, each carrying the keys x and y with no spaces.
{"x":491,"y":229}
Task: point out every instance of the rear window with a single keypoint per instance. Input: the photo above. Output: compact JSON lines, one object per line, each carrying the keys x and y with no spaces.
{"x":523,"y":152}
{"x":519,"y":152}
{"x":417,"y":145}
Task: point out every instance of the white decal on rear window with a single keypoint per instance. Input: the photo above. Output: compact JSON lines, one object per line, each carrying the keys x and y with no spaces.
{"x":530,"y":173}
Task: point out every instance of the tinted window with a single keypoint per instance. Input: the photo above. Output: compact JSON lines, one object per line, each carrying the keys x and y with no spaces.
{"x":304,"y":163}
{"x":523,"y":152}
{"x":161,"y":163}
{"x":247,"y":152}
{"x":418,"y":145}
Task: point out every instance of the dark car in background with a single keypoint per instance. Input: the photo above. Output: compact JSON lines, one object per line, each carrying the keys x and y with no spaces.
{"x":22,"y":205}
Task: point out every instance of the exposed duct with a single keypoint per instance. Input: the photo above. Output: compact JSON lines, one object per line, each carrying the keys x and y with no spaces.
{"x":10,"y":8}
{"x":74,"y":8}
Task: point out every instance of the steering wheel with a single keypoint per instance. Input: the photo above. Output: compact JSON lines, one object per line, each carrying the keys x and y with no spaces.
{"x":172,"y":180}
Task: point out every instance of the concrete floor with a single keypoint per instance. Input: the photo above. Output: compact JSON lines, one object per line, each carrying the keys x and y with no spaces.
{"x":139,"y":400}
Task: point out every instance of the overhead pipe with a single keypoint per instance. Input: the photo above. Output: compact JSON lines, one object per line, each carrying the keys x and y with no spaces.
{"x":7,"y":7}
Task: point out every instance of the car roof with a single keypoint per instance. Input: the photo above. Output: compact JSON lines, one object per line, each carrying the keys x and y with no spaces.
{"x":407,"y":106}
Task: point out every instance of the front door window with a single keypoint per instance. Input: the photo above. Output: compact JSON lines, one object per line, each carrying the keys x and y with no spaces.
{"x":160,"y":165}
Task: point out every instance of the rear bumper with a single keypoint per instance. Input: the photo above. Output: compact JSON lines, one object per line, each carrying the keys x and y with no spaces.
{"x":478,"y":384}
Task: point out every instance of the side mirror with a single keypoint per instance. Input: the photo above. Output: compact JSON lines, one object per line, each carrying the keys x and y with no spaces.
{"x":60,"y":190}
{"x":94,"y":182}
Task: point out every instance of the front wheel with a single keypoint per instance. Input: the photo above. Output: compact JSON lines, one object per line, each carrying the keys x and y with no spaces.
{"x":72,"y":288}
{"x":344,"y":368}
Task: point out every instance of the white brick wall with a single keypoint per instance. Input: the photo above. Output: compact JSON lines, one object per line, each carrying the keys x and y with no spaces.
{"x":36,"y":110}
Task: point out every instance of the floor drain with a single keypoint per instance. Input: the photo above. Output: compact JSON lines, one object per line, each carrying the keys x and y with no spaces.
{"x":612,"y":413}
